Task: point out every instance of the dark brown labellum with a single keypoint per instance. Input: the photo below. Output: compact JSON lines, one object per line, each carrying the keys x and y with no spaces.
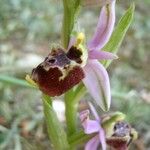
{"x":75,"y":54}
{"x":117,"y":144}
{"x":58,"y":72}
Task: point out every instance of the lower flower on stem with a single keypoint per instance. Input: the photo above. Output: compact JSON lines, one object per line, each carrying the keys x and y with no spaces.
{"x":111,"y":130}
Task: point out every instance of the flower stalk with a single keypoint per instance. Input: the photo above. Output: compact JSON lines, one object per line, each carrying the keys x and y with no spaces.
{"x":71,"y":104}
{"x":70,"y":113}
{"x":71,"y":9}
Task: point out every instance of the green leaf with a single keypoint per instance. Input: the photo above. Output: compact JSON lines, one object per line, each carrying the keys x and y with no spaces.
{"x":119,"y":33}
{"x":56,"y":132}
{"x":14,"y":81}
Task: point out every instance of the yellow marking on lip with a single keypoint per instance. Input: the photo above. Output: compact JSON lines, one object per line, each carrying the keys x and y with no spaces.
{"x":30,"y":81}
{"x":80,"y":39}
{"x":134,"y":133}
{"x":80,"y":46}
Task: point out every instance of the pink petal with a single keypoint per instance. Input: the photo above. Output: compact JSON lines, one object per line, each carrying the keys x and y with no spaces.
{"x":92,"y":144}
{"x":84,"y":115}
{"x":102,"y":139}
{"x":104,"y":28}
{"x":97,"y":82}
{"x":71,"y":42}
{"x":101,"y":55}
{"x":90,"y":126}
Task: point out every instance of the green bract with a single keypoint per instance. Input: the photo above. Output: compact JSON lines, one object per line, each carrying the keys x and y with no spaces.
{"x":119,"y":33}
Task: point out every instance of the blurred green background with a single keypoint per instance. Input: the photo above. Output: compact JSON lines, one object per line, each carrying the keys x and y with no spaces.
{"x":27,"y":29}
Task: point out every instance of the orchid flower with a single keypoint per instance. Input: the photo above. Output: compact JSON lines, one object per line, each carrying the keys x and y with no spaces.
{"x":111,"y":130}
{"x":93,"y":126}
{"x":96,"y":77}
{"x":62,"y":69}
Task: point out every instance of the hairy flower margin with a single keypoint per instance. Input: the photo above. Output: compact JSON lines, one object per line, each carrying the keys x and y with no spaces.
{"x":111,"y":130}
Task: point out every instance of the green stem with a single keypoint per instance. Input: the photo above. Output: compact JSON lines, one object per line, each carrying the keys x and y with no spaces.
{"x":70,"y":113}
{"x":47,"y":99}
{"x":71,"y":8}
{"x":79,"y":92}
{"x":71,"y":104}
{"x":67,"y":26}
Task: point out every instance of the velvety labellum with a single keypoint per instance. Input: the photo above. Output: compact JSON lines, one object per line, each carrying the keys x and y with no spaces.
{"x":59,"y":72}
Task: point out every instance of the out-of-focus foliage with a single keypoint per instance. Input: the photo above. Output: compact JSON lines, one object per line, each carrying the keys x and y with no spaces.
{"x":27,"y":28}
{"x":27,"y":19}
